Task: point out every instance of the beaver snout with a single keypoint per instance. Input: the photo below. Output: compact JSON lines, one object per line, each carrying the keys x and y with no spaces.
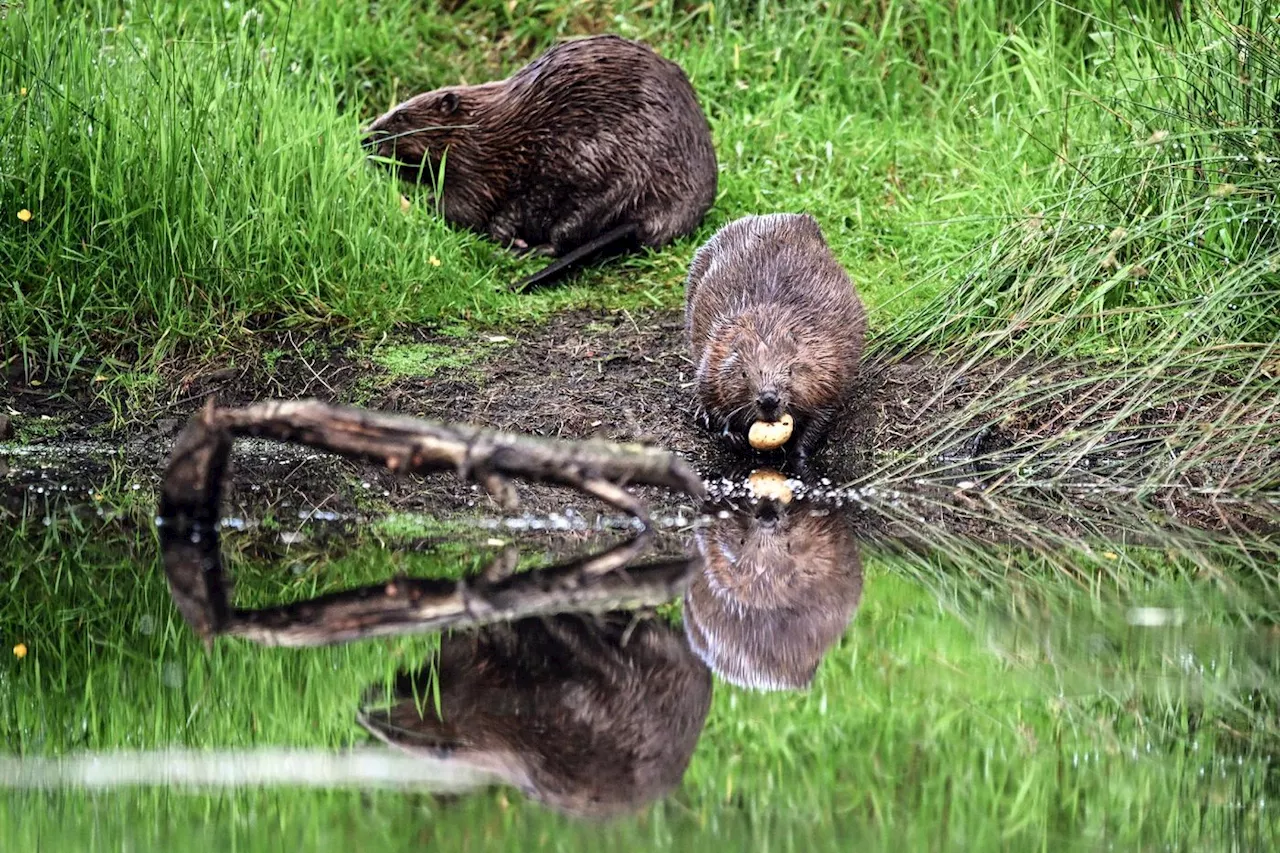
{"x":768,"y":512}
{"x":371,"y":138}
{"x":768,"y":403}
{"x":377,"y":141}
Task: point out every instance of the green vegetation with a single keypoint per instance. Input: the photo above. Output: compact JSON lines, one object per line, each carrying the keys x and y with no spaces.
{"x":423,"y":359}
{"x":1089,"y":187}
{"x":193,"y":169}
{"x":35,"y":427}
{"x":979,"y":700}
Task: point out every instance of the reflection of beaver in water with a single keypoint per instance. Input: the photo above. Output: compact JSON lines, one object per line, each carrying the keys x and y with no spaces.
{"x":778,"y":588}
{"x":594,"y":716}
{"x":775,"y":326}
{"x":597,"y":144}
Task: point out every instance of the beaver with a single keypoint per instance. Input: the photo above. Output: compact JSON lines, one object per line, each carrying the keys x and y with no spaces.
{"x":776,"y":328}
{"x":779,"y":586}
{"x":594,"y":716}
{"x":598,"y":145}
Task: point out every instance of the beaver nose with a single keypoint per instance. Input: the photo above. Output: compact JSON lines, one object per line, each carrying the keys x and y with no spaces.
{"x":767,"y":512}
{"x":768,"y":403}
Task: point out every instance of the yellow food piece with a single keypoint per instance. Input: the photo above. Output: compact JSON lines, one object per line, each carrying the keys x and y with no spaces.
{"x":769,"y":484}
{"x":24,"y":215}
{"x":20,"y":651}
{"x":767,"y":436}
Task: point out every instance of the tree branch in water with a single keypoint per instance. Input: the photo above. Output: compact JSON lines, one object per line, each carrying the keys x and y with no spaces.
{"x":192,"y":490}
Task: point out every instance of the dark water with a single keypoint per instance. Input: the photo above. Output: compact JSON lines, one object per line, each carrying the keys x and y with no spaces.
{"x":811,"y":671}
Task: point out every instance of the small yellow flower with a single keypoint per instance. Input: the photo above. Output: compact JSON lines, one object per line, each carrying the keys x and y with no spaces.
{"x":22,"y":91}
{"x":24,"y":215}
{"x":20,"y":651}
{"x":434,"y":261}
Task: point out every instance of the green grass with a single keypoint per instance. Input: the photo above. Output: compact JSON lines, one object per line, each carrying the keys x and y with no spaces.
{"x":1156,"y":230}
{"x":979,"y":700}
{"x":194,"y":171}
{"x":28,"y":428}
{"x":1087,"y":186}
{"x":426,"y":359}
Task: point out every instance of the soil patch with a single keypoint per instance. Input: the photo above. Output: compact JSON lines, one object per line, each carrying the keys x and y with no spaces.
{"x":621,"y":376}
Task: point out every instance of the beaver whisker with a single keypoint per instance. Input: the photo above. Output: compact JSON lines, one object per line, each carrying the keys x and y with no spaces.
{"x":427,"y":128}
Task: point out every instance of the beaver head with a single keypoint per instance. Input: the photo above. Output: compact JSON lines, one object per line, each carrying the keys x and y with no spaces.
{"x":417,"y":134}
{"x":764,"y":364}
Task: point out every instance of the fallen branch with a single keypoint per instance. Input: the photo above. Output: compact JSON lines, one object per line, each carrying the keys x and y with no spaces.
{"x":409,"y":445}
{"x":192,"y":491}
{"x":419,"y":605}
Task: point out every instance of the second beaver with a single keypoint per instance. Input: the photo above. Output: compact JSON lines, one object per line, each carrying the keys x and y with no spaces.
{"x":776,"y":328}
{"x":597,"y":145}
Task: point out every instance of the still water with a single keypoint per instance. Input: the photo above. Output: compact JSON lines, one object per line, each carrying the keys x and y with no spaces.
{"x":788,"y":672}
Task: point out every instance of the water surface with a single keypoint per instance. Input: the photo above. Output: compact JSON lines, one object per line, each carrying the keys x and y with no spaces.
{"x":800,"y":675}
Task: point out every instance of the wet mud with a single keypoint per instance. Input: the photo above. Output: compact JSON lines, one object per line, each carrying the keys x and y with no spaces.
{"x":620,"y":376}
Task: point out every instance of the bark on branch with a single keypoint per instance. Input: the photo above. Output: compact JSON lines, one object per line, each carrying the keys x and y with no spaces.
{"x":192,"y":491}
{"x":409,"y":445}
{"x":419,"y":605}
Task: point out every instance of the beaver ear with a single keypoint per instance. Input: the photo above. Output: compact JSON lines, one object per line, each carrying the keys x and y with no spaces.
{"x":449,"y":103}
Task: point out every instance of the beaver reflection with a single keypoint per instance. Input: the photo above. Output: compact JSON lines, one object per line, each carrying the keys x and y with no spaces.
{"x":778,"y":587}
{"x":592,"y":715}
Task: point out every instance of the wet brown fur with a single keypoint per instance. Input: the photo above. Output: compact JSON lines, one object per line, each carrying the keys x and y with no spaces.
{"x":593,"y":716}
{"x":769,"y":308}
{"x":594,"y":134}
{"x":776,"y":591}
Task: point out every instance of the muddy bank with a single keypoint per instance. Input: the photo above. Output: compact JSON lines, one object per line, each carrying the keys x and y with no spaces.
{"x":619,"y":376}
{"x":622,"y":377}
